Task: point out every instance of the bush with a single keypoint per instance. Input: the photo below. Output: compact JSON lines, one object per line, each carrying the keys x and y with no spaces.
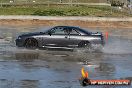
{"x":49,"y":12}
{"x":117,"y":3}
{"x":59,"y":13}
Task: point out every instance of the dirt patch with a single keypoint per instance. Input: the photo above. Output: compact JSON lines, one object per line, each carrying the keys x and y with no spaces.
{"x":37,"y":22}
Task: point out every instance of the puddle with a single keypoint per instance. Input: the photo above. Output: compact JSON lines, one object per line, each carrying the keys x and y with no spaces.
{"x":23,"y":68}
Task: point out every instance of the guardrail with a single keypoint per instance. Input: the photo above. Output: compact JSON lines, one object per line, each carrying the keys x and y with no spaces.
{"x":82,"y":18}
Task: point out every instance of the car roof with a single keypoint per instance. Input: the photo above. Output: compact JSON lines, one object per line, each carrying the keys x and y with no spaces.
{"x":67,"y":26}
{"x":80,"y":29}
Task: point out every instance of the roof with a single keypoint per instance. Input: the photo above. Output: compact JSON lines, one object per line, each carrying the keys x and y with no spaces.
{"x":82,"y":30}
{"x":68,"y":26}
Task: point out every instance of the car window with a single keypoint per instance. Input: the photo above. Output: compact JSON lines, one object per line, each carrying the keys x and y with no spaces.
{"x":57,"y":30}
{"x":66,"y":31}
{"x":73,"y":31}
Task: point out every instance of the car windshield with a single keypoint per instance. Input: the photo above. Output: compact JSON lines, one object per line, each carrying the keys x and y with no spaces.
{"x":46,"y":30}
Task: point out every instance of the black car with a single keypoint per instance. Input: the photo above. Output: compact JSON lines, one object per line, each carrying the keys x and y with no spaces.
{"x":67,"y":37}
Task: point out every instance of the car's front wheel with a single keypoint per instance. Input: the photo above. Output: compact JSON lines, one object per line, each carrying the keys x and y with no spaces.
{"x":31,"y":43}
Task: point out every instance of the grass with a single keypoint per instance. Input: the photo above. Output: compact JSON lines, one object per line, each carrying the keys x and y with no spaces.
{"x":99,"y":11}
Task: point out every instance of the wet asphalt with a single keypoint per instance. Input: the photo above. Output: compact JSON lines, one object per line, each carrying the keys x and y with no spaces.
{"x":24,"y":68}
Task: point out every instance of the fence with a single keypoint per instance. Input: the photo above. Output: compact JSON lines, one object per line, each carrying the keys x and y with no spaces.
{"x":5,"y":3}
{"x":54,"y":1}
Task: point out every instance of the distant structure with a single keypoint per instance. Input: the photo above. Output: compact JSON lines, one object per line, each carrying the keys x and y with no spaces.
{"x":129,"y":1}
{"x":126,"y":2}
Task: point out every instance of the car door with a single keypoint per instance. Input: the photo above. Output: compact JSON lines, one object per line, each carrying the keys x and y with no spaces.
{"x":74,"y":37}
{"x":56,"y":37}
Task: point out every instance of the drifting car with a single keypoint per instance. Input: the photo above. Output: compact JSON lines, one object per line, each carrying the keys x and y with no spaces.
{"x":67,"y":37}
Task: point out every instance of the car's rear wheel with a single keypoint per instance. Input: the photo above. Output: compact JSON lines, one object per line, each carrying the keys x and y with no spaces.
{"x":31,"y":43}
{"x":84,"y":44}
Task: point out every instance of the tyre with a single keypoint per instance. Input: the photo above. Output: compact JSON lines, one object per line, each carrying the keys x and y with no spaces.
{"x":31,"y":43}
{"x":84,"y":44}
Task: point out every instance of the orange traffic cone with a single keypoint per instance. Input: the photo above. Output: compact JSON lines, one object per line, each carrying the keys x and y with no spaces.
{"x":106,"y":35}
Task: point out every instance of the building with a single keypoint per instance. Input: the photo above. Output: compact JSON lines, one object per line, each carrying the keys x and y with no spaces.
{"x":122,"y":1}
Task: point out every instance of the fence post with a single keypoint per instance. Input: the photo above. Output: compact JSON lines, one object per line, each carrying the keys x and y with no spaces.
{"x":71,"y":2}
{"x":130,"y":8}
{"x":48,"y":3}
